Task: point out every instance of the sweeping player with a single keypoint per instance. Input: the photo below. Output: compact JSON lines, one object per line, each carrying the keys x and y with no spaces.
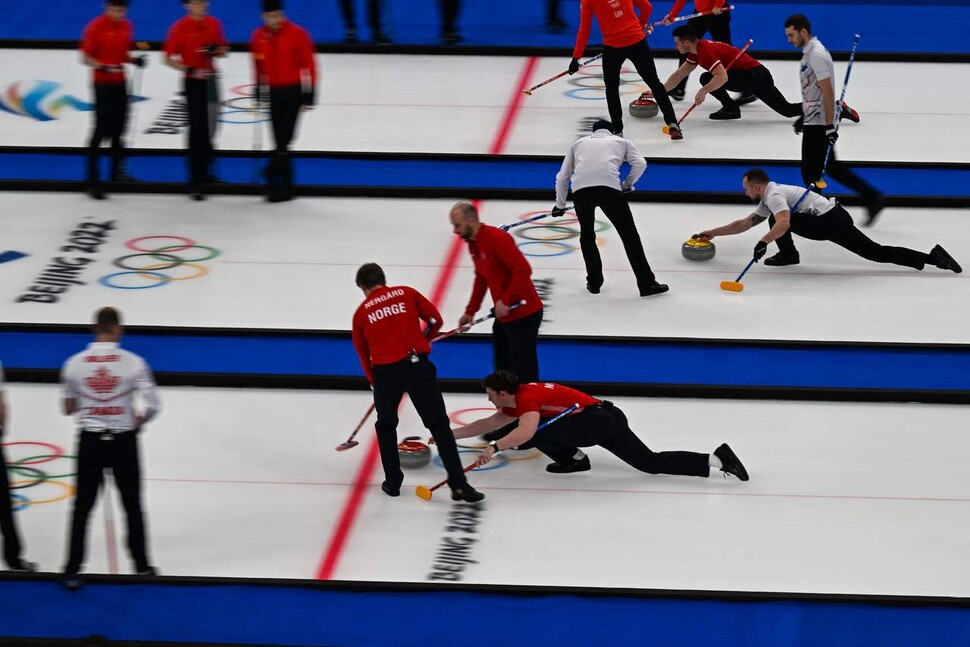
{"x":623,"y":39}
{"x":394,"y":355}
{"x":596,"y":422}
{"x":817,"y":218}
{"x":817,"y":126}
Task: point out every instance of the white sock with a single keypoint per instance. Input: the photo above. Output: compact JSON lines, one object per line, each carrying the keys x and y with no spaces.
{"x":579,"y":455}
{"x":715,"y":462}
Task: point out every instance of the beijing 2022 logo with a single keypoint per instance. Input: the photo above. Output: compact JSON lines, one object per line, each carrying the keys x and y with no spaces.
{"x":39,"y":100}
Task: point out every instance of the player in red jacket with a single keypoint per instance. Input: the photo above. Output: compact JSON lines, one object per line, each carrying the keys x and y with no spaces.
{"x":595,"y":422}
{"x":623,"y":39}
{"x":394,"y":353}
{"x":286,"y":74}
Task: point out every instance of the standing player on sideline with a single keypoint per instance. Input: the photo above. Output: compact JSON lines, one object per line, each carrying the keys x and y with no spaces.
{"x":394,"y":355}
{"x":191,"y":46}
{"x":623,"y":39}
{"x":717,"y":23}
{"x":592,"y":166}
{"x":596,"y":422}
{"x":817,"y":126}
{"x":746,"y":75}
{"x":100,"y":384}
{"x":8,"y":526}
{"x":817,"y":218}
{"x":283,"y":61}
{"x":105,"y":46}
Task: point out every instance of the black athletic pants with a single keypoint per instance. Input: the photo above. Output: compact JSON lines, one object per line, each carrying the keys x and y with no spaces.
{"x":607,"y":426}
{"x":418,"y":380}
{"x":284,"y":109}
{"x":8,"y":527}
{"x":836,"y":226}
{"x":449,"y":16}
{"x":97,"y":452}
{"x":814,"y":147}
{"x":642,"y":59}
{"x":515,"y":347}
{"x":373,"y":15}
{"x":757,"y":81}
{"x":719,"y":28}
{"x":617,"y":210}
{"x":202,"y":99}
{"x":110,"y":115}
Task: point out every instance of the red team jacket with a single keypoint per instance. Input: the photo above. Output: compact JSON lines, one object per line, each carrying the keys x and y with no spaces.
{"x":281,"y":57}
{"x":501,"y":269}
{"x":711,"y":52}
{"x":187,"y":36}
{"x":548,"y":400}
{"x":108,"y":42}
{"x":703,"y":6}
{"x":620,"y":26}
{"x":387,"y":326}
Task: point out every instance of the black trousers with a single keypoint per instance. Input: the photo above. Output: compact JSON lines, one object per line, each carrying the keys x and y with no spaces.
{"x":373,"y":14}
{"x":449,"y":15}
{"x":110,"y":115}
{"x":757,"y":81}
{"x":814,"y":147}
{"x":836,"y":226}
{"x":284,"y":109}
{"x":418,"y":380}
{"x":617,"y":210}
{"x":201,"y":95}
{"x":642,"y":59}
{"x":719,"y":28}
{"x":120,"y":455}
{"x":515,"y":347}
{"x":605,"y":425}
{"x":8,"y":527}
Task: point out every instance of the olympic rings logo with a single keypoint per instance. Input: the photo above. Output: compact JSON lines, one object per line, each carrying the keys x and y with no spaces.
{"x":548,"y":239}
{"x":147,"y":268}
{"x":243,"y":109}
{"x":30,"y":484}
{"x":589,"y":84}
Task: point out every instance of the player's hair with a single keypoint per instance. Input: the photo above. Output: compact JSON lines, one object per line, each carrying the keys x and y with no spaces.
{"x":505,"y":381}
{"x":116,"y":3}
{"x":370,"y":275}
{"x":685,"y":32}
{"x":466,"y":209}
{"x":757,"y":176}
{"x":270,"y":6}
{"x":106,"y":319}
{"x":799,"y":22}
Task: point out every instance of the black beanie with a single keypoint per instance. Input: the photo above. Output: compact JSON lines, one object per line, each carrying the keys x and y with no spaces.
{"x":603,"y":123}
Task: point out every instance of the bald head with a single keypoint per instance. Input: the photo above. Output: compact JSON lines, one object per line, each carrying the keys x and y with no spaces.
{"x":464,"y":219}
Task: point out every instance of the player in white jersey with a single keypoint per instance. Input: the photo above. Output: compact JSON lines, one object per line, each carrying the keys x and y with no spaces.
{"x":8,"y":527}
{"x":111,"y":392}
{"x":817,"y":125}
{"x":817,"y":218}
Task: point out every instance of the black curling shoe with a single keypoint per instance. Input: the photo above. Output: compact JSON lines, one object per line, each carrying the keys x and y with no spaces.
{"x":466,"y":493}
{"x":730,"y":463}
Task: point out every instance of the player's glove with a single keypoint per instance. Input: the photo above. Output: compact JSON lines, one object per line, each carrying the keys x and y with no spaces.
{"x":760,"y":249}
{"x":831,"y":134}
{"x":627,"y":188}
{"x":799,"y":125}
{"x":139,"y":61}
{"x":308,"y":98}
{"x":209,"y":50}
{"x":556,"y":212}
{"x":574,"y":66}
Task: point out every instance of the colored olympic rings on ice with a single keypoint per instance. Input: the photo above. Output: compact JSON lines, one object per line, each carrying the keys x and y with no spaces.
{"x":588,"y":83}
{"x":148,"y":267}
{"x":34,"y":478}
{"x":546,"y":238}
{"x":243,"y":108}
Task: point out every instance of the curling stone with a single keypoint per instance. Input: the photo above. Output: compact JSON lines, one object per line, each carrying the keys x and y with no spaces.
{"x":697,"y":250}
{"x":644,"y":108}
{"x":413,"y":452}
